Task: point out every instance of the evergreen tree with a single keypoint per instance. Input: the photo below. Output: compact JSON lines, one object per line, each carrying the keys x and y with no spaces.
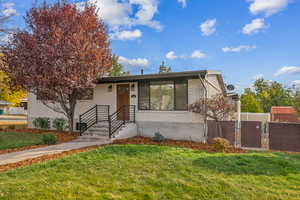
{"x":163,"y":68}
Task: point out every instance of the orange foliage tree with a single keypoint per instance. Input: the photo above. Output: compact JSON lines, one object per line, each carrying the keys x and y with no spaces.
{"x":61,"y":53}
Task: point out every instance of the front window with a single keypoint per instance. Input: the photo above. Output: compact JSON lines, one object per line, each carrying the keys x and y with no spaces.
{"x":163,"y":95}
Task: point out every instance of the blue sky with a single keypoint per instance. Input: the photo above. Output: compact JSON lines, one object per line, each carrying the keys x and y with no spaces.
{"x":244,"y":39}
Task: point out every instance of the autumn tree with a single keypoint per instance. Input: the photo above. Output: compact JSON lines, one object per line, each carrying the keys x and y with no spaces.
{"x":296,"y":102}
{"x":271,"y":93}
{"x":11,"y":94}
{"x":249,"y":102}
{"x":59,"y":55}
{"x":264,"y":95}
{"x":218,"y":108}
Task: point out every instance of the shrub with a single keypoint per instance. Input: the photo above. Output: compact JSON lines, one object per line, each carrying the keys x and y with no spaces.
{"x":49,"y":139}
{"x":59,"y":124}
{"x":41,"y":122}
{"x":12,"y":127}
{"x":158,"y":137}
{"x":221,"y":143}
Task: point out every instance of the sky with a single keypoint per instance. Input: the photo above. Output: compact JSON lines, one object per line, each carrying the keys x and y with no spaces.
{"x":244,"y":39}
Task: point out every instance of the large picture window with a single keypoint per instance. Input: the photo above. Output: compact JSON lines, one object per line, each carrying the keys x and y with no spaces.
{"x":163,"y":95}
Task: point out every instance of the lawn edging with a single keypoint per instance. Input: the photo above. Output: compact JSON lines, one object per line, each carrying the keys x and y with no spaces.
{"x":61,"y":137}
{"x":135,"y":140}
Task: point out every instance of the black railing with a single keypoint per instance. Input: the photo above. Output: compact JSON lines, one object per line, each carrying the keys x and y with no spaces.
{"x":125,"y":114}
{"x":96,"y":114}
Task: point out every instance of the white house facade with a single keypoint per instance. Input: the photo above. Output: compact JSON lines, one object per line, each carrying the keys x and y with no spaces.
{"x":160,"y":102}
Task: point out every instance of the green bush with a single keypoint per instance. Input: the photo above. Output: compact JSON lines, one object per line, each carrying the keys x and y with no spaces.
{"x":158,"y":137}
{"x":49,"y":139}
{"x":41,"y":122}
{"x":59,"y":124}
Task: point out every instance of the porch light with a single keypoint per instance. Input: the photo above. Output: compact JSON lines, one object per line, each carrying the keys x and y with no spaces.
{"x":132,"y":87}
{"x":109,"y":89}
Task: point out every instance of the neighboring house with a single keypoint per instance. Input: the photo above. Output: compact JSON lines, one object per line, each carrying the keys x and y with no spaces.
{"x":283,"y":114}
{"x":261,"y":117}
{"x":4,"y":106}
{"x":158,"y":103}
{"x":21,"y":110}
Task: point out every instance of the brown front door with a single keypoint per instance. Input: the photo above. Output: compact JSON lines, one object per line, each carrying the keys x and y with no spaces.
{"x":123,"y":100}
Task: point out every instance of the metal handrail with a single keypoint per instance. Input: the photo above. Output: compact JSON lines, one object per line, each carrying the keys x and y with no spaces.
{"x":115,"y":124}
{"x":91,"y":117}
{"x":97,"y":114}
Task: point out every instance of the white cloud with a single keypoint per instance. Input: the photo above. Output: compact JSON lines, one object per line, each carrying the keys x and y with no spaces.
{"x":5,"y":38}
{"x":127,"y":35}
{"x":296,"y":83}
{"x":208,"y":27}
{"x":171,"y":55}
{"x":238,"y":49}
{"x":183,"y":3}
{"x":288,"y":70}
{"x":137,"y":62}
{"x":127,"y":13}
{"x":198,"y":54}
{"x":8,"y":9}
{"x":255,"y":26}
{"x":267,"y":7}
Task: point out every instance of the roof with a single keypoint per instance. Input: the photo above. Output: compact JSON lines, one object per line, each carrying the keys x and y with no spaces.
{"x":171,"y":75}
{"x":282,"y":110}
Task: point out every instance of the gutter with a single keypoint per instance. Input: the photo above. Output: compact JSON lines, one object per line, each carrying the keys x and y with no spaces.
{"x":202,"y":78}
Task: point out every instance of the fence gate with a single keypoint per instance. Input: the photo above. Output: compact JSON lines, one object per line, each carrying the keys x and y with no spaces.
{"x":251,"y":134}
{"x":284,"y":136}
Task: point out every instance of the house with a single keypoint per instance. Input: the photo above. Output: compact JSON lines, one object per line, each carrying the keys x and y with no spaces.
{"x":284,"y":114}
{"x":4,"y":106}
{"x":261,"y":117}
{"x":147,"y":103}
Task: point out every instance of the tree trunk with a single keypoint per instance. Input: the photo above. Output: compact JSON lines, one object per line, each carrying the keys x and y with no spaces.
{"x":72,"y":105}
{"x":219,"y":128}
{"x":71,"y":122}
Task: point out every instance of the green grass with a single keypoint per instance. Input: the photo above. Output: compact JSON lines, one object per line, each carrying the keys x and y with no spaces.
{"x":157,"y":172}
{"x":10,"y":140}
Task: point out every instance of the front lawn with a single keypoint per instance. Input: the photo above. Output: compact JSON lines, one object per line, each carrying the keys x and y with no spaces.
{"x":10,"y":140}
{"x":156,"y":172}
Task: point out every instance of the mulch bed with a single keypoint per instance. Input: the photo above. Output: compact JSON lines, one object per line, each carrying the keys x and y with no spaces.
{"x":134,"y":140}
{"x":61,"y":137}
{"x":177,"y":143}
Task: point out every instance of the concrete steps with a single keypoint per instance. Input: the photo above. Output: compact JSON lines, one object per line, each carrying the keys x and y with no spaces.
{"x":99,"y":131}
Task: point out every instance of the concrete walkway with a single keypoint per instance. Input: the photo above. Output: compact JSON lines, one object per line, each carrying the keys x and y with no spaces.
{"x":54,"y":149}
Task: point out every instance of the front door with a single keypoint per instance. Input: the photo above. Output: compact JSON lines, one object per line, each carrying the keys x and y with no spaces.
{"x":123,"y":100}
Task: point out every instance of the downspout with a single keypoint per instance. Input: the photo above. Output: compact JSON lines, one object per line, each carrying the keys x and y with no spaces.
{"x":201,"y":78}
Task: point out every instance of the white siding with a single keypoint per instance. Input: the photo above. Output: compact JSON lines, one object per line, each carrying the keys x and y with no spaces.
{"x":103,"y":97}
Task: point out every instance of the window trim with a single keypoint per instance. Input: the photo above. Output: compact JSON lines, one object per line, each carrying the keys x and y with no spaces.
{"x":174,"y":96}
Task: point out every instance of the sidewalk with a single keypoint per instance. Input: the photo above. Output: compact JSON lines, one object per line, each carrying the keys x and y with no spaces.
{"x":33,"y":153}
